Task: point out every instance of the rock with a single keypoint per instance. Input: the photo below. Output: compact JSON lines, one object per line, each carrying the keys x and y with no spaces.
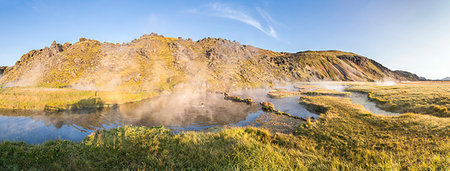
{"x":2,"y":70}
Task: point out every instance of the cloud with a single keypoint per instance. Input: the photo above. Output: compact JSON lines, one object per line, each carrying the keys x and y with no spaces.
{"x":229,"y":12}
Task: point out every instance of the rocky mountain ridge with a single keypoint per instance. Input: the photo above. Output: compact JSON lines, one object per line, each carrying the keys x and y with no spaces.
{"x":155,"y":62}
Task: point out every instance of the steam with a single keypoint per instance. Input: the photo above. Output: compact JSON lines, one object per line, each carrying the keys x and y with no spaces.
{"x":332,"y":85}
{"x":116,"y":60}
{"x":386,"y":82}
{"x":29,"y":78}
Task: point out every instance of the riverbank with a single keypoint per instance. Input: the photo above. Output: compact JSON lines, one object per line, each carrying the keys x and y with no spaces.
{"x":61,"y":99}
{"x":418,"y":97}
{"x":345,"y":137}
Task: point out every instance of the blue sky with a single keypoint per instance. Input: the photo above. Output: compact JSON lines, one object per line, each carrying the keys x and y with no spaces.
{"x":411,"y":35}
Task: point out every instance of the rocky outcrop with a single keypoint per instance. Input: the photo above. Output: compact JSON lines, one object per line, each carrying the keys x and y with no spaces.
{"x":155,"y":62}
{"x":2,"y":70}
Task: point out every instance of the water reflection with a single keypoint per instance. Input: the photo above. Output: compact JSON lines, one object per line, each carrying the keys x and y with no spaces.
{"x":290,"y":105}
{"x":175,"y":111}
{"x":361,"y":98}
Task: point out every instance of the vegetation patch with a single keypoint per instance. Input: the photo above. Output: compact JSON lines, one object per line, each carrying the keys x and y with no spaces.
{"x":282,"y":93}
{"x":346,"y":137}
{"x":357,"y":139}
{"x":237,"y":99}
{"x":325,"y":92}
{"x":60,"y":99}
{"x":269,"y":107}
{"x":418,"y":97}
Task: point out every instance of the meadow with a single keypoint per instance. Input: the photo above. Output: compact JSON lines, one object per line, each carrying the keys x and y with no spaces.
{"x":345,"y":137}
{"x":59,"y":99}
{"x":418,"y":97}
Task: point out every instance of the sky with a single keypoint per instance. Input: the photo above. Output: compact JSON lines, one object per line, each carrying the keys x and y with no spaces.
{"x":410,"y":35}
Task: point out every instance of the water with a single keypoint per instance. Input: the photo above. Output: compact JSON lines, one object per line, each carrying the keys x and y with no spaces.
{"x":177,"y":112}
{"x":358,"y":98}
{"x":289,"y":105}
{"x":361,"y":98}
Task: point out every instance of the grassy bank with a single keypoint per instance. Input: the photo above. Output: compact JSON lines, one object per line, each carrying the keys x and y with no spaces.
{"x":282,"y":93}
{"x":417,"y":97}
{"x":64,"y":99}
{"x":325,"y":92}
{"x":354,"y":138}
{"x":346,"y":137}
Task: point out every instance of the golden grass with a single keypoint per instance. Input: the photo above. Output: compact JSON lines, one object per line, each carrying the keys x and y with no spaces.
{"x":346,"y":137}
{"x":347,"y":132}
{"x":62,"y":98}
{"x":282,"y":93}
{"x":418,"y":97}
{"x":323,"y":91}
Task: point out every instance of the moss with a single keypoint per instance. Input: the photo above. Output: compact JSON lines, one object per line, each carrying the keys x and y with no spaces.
{"x":238,"y":99}
{"x":268,"y":107}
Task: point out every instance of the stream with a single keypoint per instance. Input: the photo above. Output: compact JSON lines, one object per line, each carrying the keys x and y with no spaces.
{"x":178,"y":112}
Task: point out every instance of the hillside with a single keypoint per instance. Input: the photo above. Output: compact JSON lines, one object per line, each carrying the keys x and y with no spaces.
{"x":154,"y":62}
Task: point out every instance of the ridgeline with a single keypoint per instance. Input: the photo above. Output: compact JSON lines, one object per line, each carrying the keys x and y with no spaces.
{"x":154,"y":62}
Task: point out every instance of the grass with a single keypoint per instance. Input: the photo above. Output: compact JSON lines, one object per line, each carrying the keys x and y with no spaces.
{"x":238,"y":99}
{"x":355,"y":138}
{"x":417,"y":97}
{"x":345,"y":137}
{"x":326,"y":92}
{"x":282,"y":93}
{"x":269,"y":107}
{"x":57,"y":99}
{"x":156,"y":148}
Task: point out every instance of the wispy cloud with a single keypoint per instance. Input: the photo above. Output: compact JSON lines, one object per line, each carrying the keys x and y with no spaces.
{"x":230,"y":12}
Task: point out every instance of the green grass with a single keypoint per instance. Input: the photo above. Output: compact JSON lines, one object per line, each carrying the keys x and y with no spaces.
{"x":140,"y":148}
{"x":57,"y":99}
{"x":418,"y":97}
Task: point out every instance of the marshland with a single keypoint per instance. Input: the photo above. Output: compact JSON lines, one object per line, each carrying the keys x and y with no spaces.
{"x":224,"y":85}
{"x":318,"y":130}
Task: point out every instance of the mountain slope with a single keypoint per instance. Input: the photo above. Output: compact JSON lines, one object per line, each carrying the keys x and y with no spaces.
{"x":154,"y":62}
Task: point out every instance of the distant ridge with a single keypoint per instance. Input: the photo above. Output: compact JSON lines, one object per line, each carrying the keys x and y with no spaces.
{"x":155,"y":62}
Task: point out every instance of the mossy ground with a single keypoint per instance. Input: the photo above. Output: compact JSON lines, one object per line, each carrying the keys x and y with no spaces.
{"x":418,"y":97}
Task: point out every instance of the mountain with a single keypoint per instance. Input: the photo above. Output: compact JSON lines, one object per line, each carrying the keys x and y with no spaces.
{"x":446,"y":79}
{"x":154,"y":62}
